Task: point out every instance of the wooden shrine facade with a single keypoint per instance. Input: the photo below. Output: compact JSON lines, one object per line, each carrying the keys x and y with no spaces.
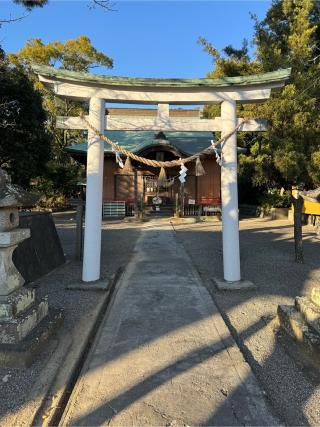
{"x":200,"y":193}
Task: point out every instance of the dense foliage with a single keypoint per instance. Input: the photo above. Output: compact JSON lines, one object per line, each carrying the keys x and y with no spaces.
{"x":289,"y":152}
{"x":30,"y":4}
{"x":25,"y":142}
{"x":62,"y":172}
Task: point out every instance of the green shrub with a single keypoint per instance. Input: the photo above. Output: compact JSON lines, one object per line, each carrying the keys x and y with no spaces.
{"x":274,"y":199}
{"x":55,"y":202}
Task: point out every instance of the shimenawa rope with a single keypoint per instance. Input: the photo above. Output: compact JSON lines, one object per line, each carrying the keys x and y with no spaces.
{"x":155,"y":163}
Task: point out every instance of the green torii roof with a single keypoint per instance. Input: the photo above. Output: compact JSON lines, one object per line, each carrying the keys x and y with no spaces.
{"x":257,"y":79}
{"x":187,"y":143}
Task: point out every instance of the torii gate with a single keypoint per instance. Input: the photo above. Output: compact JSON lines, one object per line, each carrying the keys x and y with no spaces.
{"x":162,"y":92}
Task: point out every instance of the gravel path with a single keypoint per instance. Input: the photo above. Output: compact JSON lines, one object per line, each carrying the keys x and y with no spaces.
{"x":267,"y":253}
{"x":118,"y":241}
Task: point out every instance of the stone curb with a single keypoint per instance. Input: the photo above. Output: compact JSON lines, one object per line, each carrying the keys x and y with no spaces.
{"x":292,"y":322}
{"x":49,"y":392}
{"x":194,"y":219}
{"x":64,"y":408}
{"x":99,"y":285}
{"x":240,"y":285}
{"x":64,"y":214}
{"x":309,"y":311}
{"x":65,"y":378}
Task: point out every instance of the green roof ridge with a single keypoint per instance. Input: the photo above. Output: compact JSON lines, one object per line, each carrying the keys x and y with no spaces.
{"x":273,"y":76}
{"x":187,"y":143}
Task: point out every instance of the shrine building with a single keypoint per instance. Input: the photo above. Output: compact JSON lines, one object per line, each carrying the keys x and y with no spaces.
{"x":122,"y":189}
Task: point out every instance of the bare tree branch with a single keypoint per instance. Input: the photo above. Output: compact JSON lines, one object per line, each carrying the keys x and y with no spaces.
{"x":105,"y":4}
{"x":10,"y":19}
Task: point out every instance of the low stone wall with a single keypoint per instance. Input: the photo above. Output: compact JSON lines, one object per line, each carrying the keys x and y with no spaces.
{"x":42,"y":252}
{"x":249,"y":211}
{"x":279,"y":213}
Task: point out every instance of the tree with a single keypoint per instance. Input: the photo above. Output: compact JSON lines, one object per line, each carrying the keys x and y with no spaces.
{"x":25,"y":141}
{"x":237,"y":62}
{"x":290,"y":36}
{"x":288,"y":154}
{"x":76,"y":55}
{"x":32,"y":4}
{"x":28,"y":4}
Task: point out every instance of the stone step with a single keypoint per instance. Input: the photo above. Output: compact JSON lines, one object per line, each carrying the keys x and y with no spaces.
{"x":14,"y":330}
{"x":163,"y":209}
{"x":315,"y":295}
{"x":292,"y":322}
{"x":15,"y":303}
{"x":309,"y":311}
{"x":22,"y":354}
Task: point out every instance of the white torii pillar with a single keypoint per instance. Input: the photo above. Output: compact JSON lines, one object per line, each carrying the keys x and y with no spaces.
{"x":229,"y":195}
{"x":229,"y":192}
{"x":93,"y":215}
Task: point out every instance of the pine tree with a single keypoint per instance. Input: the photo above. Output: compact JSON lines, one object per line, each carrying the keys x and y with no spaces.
{"x":288,"y":154}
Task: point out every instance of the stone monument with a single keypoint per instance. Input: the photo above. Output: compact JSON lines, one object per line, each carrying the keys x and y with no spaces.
{"x":25,"y":322}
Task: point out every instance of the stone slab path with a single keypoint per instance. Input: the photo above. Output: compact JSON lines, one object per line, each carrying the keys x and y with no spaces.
{"x":163,"y":356}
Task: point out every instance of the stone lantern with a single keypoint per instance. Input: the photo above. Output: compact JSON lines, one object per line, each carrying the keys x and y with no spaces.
{"x":25,"y":322}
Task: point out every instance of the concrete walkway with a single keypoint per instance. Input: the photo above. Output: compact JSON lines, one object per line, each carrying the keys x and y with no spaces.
{"x":164,"y":356}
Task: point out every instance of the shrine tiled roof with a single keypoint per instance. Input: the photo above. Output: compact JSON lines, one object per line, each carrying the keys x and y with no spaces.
{"x":186,"y":143}
{"x":138,"y":141}
{"x":103,"y":80}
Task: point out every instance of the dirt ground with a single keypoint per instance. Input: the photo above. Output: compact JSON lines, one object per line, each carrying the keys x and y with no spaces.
{"x":117,"y":245}
{"x":267,"y":259}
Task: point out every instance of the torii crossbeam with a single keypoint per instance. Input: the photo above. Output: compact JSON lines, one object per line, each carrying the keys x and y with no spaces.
{"x":162,"y":92}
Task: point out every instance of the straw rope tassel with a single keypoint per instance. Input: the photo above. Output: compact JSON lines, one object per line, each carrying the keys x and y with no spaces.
{"x":199,"y":168}
{"x":128,"y":166}
{"x":162,"y":179}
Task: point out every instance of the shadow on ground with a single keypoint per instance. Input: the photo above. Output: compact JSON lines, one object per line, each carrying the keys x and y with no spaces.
{"x":266,"y":259}
{"x":117,"y":247}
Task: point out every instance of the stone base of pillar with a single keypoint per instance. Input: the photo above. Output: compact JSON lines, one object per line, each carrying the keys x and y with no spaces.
{"x":98,"y":285}
{"x":25,"y":325}
{"x":240,"y":285}
{"x":301,"y":322}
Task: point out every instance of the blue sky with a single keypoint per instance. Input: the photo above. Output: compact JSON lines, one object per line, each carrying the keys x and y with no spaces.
{"x":146,"y":38}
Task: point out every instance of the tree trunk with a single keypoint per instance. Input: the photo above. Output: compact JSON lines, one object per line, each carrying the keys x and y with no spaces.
{"x":297,"y":225}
